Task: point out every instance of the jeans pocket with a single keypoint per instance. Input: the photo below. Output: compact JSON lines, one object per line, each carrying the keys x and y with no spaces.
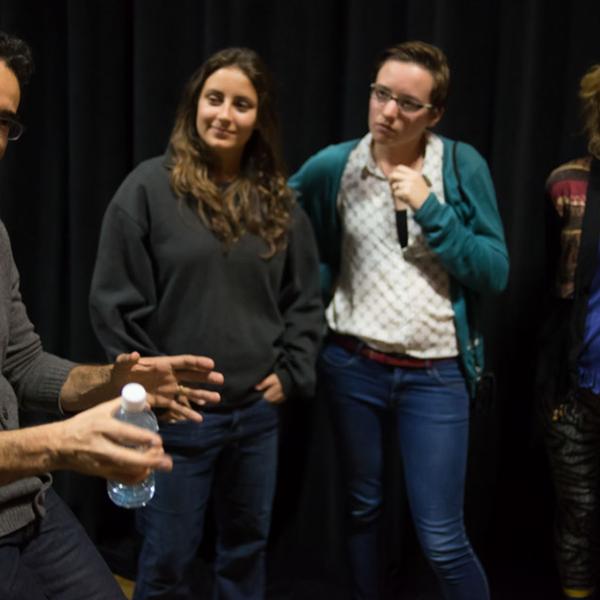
{"x":447,"y":373}
{"x":335,"y":357}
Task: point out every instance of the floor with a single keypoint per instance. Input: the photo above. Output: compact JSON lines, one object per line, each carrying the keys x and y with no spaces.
{"x":126,"y":586}
{"x":507,"y":582}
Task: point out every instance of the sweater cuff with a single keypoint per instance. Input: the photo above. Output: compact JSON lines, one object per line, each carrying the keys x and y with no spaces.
{"x":286,"y":381}
{"x":428,"y":209}
{"x":47,"y":396}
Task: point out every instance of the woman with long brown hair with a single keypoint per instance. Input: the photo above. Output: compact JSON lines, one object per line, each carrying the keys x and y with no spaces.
{"x":204,"y":249}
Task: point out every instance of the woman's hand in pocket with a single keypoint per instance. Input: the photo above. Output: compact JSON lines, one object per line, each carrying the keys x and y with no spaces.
{"x":271,"y":388}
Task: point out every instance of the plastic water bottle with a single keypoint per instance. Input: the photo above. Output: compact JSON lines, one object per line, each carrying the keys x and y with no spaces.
{"x":133,"y":410}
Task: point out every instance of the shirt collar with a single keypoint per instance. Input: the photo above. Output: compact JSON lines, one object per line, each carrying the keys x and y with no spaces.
{"x":369,"y":166}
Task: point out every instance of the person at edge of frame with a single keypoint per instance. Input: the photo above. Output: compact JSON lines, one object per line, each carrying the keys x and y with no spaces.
{"x":44,"y":552}
{"x":568,"y":376}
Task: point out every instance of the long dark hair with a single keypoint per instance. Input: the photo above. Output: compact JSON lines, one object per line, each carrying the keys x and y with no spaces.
{"x":258,"y":200}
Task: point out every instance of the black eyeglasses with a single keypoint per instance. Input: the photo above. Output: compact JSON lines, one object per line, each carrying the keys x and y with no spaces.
{"x":13,"y":127}
{"x":407,"y":105}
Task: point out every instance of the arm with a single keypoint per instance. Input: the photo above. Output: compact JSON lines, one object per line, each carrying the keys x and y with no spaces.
{"x":552,"y":239}
{"x":92,"y":442}
{"x":302,"y":310}
{"x":35,"y":377}
{"x":317,"y":184}
{"x":465,"y":233}
{"x":123,"y":290}
{"x":123,"y":299}
{"x":165,"y":377}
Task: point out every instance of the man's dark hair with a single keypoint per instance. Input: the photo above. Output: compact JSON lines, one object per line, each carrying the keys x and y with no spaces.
{"x":17,"y":56}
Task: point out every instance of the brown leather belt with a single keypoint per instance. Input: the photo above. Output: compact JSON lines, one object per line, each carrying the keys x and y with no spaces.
{"x":353,"y":344}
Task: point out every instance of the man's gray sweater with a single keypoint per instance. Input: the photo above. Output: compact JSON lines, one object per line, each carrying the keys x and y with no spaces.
{"x":29,"y":377}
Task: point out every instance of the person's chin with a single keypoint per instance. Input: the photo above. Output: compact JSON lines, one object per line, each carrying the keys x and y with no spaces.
{"x":384,"y":139}
{"x":219,"y":142}
{"x":382,"y":134}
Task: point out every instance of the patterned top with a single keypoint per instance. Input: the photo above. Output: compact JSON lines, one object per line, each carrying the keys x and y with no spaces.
{"x":394,"y":299}
{"x":567,"y":189}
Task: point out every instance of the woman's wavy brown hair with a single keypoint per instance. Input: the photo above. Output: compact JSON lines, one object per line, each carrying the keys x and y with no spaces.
{"x":258,"y":201}
{"x":589,"y":94}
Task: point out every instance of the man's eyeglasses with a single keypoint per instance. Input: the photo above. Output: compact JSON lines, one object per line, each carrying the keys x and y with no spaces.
{"x":13,"y":127}
{"x":407,"y":105}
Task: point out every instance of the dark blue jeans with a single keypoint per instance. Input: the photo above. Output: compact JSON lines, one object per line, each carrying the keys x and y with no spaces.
{"x":53,"y":559}
{"x":428,"y":409}
{"x":232,"y":455}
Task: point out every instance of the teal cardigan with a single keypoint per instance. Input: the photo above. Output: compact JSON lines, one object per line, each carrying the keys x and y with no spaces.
{"x":465,"y":233}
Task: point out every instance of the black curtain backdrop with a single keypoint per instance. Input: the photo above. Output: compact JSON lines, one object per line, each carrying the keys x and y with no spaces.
{"x":108,"y":78}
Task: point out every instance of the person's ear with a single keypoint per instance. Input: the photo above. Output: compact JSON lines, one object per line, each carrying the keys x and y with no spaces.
{"x":436,"y":115}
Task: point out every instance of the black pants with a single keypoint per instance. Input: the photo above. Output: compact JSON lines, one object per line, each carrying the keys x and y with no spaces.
{"x":53,"y":559}
{"x":573,"y":442}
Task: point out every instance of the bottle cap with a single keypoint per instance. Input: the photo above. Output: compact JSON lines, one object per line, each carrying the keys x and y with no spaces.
{"x":133,"y":397}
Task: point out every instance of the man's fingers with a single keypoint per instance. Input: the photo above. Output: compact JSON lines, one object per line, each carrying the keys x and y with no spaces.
{"x":131,"y":435}
{"x":177,"y":411}
{"x":182,"y":361}
{"x":127,"y":358}
{"x":131,"y":461}
{"x":202,"y":397}
{"x":200,"y":376}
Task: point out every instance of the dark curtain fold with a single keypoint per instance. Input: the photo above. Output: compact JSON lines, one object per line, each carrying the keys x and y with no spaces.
{"x":108,"y":79}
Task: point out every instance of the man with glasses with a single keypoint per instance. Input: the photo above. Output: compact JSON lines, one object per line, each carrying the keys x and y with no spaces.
{"x":44,"y":552}
{"x":409,"y":238}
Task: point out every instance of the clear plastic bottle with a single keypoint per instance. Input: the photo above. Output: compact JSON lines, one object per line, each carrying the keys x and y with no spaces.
{"x":134,"y":411}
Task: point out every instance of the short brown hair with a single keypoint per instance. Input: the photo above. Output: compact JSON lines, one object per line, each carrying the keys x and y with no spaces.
{"x":589,"y":94}
{"x":427,"y":56}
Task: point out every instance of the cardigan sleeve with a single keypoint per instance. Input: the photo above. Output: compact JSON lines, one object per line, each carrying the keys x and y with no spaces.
{"x":302,"y":310}
{"x":317,"y":183}
{"x":123,"y":291}
{"x":467,"y":233}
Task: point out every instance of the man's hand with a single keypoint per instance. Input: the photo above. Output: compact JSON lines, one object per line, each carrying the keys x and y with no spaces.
{"x":94,"y":442}
{"x":271,"y":388}
{"x":171,"y":380}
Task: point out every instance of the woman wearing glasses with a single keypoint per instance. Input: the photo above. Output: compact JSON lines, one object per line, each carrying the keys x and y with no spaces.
{"x":410,"y":239}
{"x":205,"y":248}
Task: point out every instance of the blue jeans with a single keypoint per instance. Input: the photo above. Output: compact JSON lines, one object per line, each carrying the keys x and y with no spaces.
{"x":53,"y":559}
{"x":428,"y":409}
{"x":232,"y":455}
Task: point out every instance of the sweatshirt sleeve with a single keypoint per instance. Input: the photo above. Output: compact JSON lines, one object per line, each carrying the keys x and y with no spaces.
{"x":468,"y":236}
{"x":123,"y":291}
{"x":302,"y":310}
{"x":36,"y":376}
